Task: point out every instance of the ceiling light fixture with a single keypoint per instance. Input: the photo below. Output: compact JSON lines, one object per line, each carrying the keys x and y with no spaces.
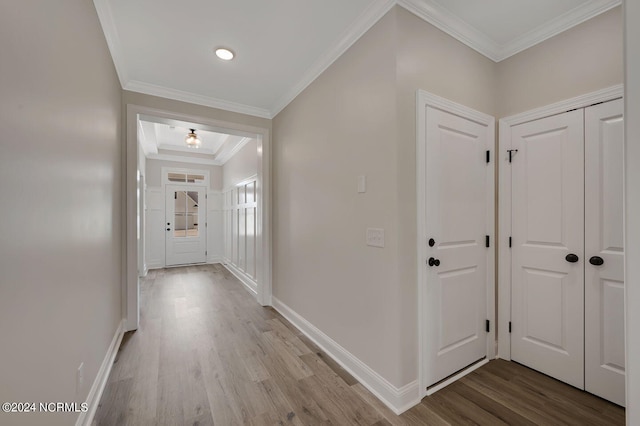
{"x":192,"y":139}
{"x":225,"y":54}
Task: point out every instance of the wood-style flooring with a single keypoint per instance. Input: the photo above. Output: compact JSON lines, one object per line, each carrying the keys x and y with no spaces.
{"x":206,"y":353}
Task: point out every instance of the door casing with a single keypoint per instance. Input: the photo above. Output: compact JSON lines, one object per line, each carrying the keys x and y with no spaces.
{"x":130,"y":290}
{"x":504,"y":198}
{"x":424,"y":99}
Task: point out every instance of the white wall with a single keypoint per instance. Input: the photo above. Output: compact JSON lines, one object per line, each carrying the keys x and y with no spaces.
{"x":155,"y":212}
{"x":61,"y":190}
{"x":240,"y":213}
{"x":632,"y":208}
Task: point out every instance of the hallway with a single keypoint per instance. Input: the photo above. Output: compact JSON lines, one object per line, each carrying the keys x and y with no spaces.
{"x":207,"y":353}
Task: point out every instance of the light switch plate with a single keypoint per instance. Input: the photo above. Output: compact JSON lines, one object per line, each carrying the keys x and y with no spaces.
{"x":362,"y":184}
{"x":375,"y":237}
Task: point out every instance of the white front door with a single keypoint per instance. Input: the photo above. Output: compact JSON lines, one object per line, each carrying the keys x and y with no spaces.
{"x":186,"y":234}
{"x":604,"y":252}
{"x":458,"y":202}
{"x":547,"y":248}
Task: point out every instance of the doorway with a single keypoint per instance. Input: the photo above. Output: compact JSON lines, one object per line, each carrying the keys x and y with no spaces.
{"x":455,"y":146}
{"x":561,"y":274}
{"x":185,"y":236}
{"x":130,"y":297}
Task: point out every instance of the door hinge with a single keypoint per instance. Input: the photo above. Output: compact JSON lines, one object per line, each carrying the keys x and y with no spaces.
{"x":487,"y":325}
{"x":509,"y":241}
{"x":488,"y":156}
{"x":486,"y":241}
{"x":509,"y":326}
{"x":205,"y":252}
{"x":175,"y":195}
{"x":511,"y":151}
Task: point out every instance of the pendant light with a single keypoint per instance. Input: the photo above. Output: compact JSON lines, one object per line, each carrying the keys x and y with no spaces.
{"x":192,"y":139}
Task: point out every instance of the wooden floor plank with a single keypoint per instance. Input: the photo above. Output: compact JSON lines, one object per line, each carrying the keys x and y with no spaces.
{"x":207,"y":354}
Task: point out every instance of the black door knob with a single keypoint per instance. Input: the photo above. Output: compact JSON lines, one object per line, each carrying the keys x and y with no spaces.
{"x":596,"y":260}
{"x":168,"y":229}
{"x":432,"y":242}
{"x":433,"y":262}
{"x":571,"y":258}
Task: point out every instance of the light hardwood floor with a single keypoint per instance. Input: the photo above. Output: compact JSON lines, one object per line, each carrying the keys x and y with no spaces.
{"x":206,"y":353}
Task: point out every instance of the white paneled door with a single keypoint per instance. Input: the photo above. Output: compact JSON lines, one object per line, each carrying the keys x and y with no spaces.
{"x":567,"y":289}
{"x":547,"y":248}
{"x":604,"y":273}
{"x":186,"y":234}
{"x":458,"y":205}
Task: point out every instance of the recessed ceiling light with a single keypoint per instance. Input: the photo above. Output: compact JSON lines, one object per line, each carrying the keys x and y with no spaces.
{"x":224,"y":54}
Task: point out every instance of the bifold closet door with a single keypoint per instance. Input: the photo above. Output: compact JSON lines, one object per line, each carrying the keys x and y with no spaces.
{"x":604,"y":262}
{"x":547,"y":249}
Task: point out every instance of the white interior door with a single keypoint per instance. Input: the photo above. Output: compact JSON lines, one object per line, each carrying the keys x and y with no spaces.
{"x":458,"y":199}
{"x":604,"y":266}
{"x":186,"y":234}
{"x":547,"y":248}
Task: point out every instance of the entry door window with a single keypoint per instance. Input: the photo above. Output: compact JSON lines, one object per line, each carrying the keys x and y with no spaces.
{"x":185,"y":214}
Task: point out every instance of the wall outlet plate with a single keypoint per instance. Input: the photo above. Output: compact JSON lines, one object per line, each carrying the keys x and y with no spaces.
{"x":375,"y":237}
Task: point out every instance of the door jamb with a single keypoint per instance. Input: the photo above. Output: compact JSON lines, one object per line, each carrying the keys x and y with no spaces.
{"x":424,"y":99}
{"x":504,"y":197}
{"x":130,"y":290}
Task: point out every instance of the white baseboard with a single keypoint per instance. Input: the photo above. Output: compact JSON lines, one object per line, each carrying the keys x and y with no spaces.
{"x":214,"y":259}
{"x":398,"y":400}
{"x":250,"y":284}
{"x":93,"y":399}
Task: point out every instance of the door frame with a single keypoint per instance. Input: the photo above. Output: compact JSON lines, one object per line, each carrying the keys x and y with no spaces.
{"x":130,"y":283}
{"x":423,"y":100}
{"x":504,"y":197}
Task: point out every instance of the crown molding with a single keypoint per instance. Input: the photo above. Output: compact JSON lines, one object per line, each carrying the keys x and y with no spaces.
{"x":222,"y":159}
{"x":105,"y":16}
{"x":441,"y":18}
{"x":428,"y":10}
{"x":194,"y":98}
{"x":557,"y":25}
{"x":361,"y":25}
{"x":184,"y":159}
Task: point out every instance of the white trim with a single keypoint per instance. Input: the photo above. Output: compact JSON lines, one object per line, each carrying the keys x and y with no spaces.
{"x":424,"y":99}
{"x":194,"y":98}
{"x":130,"y":293}
{"x":602,"y":95}
{"x":214,"y":259}
{"x":397,"y":399}
{"x":242,"y":182}
{"x":431,"y":11}
{"x":165,"y":170}
{"x":428,"y":10}
{"x":222,"y":159}
{"x":504,"y":196}
{"x":105,"y":16}
{"x":245,"y":279}
{"x":93,"y":399}
{"x":441,"y":18}
{"x":183,"y":159}
{"x":456,"y":377}
{"x":562,"y":23}
{"x":357,"y":29}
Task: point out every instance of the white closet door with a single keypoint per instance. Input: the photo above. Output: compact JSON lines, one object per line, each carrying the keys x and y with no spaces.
{"x":604,"y":284}
{"x":457,"y":197}
{"x":548,"y":236}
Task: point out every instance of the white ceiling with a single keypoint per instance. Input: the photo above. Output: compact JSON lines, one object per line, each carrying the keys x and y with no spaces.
{"x":165,"y":140}
{"x":165,"y":47}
